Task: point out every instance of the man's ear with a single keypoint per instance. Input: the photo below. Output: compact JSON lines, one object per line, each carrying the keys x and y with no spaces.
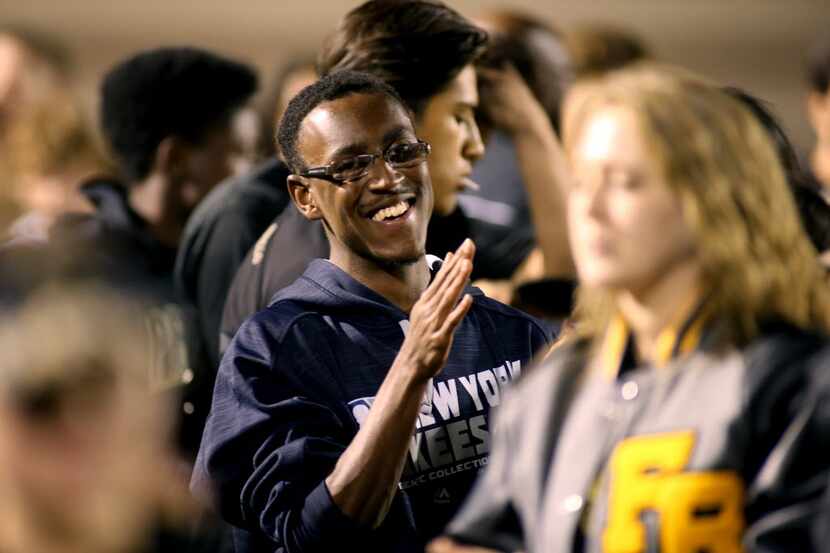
{"x":170,"y":159}
{"x":303,"y":198}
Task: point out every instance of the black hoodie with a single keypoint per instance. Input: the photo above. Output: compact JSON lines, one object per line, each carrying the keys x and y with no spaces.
{"x":294,"y":386}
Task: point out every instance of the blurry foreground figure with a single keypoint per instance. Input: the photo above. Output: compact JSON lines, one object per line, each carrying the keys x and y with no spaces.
{"x":85,"y":462}
{"x":686,"y":412}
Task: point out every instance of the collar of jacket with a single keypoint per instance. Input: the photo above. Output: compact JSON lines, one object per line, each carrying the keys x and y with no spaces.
{"x":676,"y":340}
{"x":336,"y":289}
{"x":116,"y":222}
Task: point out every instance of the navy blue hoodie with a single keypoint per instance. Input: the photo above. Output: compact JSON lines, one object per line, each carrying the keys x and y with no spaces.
{"x":300,"y":377}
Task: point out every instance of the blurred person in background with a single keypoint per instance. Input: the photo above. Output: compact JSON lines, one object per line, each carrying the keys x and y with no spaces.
{"x":818,"y":112}
{"x":685,"y":413}
{"x":223,"y":228}
{"x":427,"y":52}
{"x":171,"y":117}
{"x":86,"y":460}
{"x":47,"y":147}
{"x":503,"y":221}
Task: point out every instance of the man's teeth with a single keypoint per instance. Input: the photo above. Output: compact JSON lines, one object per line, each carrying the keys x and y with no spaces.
{"x":391,"y":211}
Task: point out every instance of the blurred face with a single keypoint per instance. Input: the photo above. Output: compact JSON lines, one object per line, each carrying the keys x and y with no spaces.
{"x":69,"y":474}
{"x":225,"y":151}
{"x":448,"y":123}
{"x":626,"y":227}
{"x":382,"y":216}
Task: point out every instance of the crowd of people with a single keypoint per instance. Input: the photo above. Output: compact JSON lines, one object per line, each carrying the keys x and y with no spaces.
{"x":460,"y":286}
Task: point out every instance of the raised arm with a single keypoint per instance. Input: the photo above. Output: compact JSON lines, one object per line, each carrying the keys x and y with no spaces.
{"x":366,"y":476}
{"x":511,"y":106}
{"x":278,"y":455}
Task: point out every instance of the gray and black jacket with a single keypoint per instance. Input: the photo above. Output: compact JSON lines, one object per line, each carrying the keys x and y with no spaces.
{"x":718,"y":449}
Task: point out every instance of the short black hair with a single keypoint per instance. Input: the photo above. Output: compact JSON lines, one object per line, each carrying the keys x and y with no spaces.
{"x":164,"y":92}
{"x":818,"y":67}
{"x":331,"y":87}
{"x":416,"y":46}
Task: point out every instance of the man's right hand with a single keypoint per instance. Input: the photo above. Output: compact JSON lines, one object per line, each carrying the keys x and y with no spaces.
{"x":436,"y":315}
{"x":365,"y":479}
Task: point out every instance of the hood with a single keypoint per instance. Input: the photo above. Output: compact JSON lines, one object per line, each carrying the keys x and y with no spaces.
{"x":324,"y":287}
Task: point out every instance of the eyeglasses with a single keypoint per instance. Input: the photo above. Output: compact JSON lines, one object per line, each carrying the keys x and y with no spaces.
{"x":398,"y":156}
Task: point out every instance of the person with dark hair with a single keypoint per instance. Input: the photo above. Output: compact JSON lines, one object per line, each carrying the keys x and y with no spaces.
{"x":352,"y":413}
{"x":516,"y":167}
{"x":818,"y":111}
{"x":427,"y":52}
{"x":174,"y":107}
{"x":170,"y":117}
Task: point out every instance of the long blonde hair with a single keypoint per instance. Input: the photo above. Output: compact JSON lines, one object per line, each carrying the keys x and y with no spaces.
{"x":757,"y":263}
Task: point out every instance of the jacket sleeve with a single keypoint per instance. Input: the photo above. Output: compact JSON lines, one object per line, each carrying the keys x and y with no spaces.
{"x":272,"y":438}
{"x":488,"y":517}
{"x":791,"y":411}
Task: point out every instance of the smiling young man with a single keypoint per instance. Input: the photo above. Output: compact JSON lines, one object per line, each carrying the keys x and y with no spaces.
{"x":352,"y":413}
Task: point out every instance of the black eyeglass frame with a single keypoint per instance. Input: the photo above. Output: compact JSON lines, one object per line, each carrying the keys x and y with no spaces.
{"x":326,"y":172}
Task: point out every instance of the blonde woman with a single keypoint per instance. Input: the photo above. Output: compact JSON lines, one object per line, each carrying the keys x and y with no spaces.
{"x":682,"y":416}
